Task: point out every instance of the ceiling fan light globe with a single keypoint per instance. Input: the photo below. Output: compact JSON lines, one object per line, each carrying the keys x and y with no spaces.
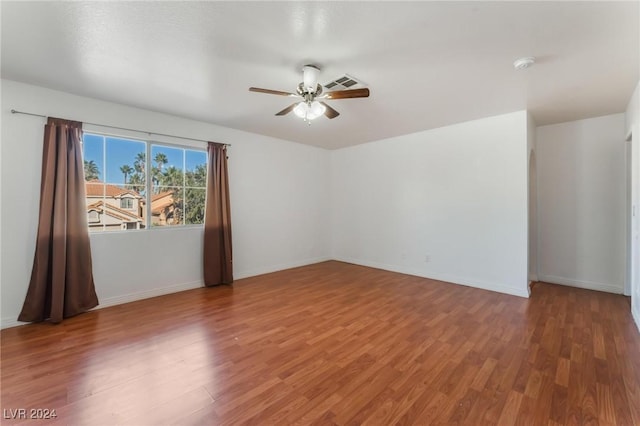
{"x":317,"y":109}
{"x":312,"y":116}
{"x":301,"y":110}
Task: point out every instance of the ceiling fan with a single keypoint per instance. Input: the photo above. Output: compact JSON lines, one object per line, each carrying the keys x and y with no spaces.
{"x":310,"y":107}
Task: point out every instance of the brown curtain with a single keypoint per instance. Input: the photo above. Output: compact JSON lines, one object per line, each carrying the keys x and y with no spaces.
{"x":61,"y":283}
{"x":218,"y":265}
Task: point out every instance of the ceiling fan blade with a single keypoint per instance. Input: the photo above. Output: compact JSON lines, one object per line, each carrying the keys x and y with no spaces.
{"x":330,"y":112}
{"x":345,"y":94}
{"x":271,"y":92}
{"x":287,"y":110}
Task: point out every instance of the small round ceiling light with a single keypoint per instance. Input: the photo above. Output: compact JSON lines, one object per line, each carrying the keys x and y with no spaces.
{"x":524,"y":63}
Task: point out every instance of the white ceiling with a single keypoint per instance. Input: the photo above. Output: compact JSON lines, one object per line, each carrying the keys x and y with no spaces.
{"x":427,"y":64}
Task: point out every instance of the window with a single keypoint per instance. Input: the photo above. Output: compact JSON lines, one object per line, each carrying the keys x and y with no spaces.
{"x":135,"y":184}
{"x":93,"y":216}
{"x":126,"y":203}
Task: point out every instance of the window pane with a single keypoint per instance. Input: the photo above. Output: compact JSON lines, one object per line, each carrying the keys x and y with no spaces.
{"x":93,"y":155}
{"x":196,"y":165}
{"x":167,"y":206}
{"x":123,"y":160}
{"x":194,"y":205}
{"x":118,"y":204}
{"x":114,"y":207}
{"x":167,"y":165}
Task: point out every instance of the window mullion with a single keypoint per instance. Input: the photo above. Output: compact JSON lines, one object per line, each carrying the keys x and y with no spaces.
{"x":184,"y":185}
{"x":147,"y":177}
{"x":104,"y":183}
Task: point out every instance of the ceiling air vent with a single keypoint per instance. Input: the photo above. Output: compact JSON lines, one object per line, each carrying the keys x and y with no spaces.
{"x":342,"y":83}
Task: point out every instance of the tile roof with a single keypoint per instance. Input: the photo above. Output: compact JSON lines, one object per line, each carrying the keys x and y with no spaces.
{"x":161,"y":201}
{"x":157,"y":209}
{"x":156,"y":197}
{"x":98,"y":189}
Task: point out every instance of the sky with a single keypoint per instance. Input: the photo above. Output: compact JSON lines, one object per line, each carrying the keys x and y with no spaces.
{"x":121,"y":151}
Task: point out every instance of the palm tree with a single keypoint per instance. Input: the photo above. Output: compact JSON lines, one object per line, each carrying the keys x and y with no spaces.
{"x":138,"y":179}
{"x":137,"y":182}
{"x":91,"y":171}
{"x":197,"y":177}
{"x":126,"y":171}
{"x":140,"y":161}
{"x":172,"y":177}
{"x":156,"y":171}
{"x":161,"y":159}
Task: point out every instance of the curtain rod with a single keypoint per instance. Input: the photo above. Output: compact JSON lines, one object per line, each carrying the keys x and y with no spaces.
{"x":13,"y":111}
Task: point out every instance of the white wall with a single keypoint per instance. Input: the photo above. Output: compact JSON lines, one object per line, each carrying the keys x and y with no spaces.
{"x":449,"y":203}
{"x":279,"y":203}
{"x":533,"y":198}
{"x":581,"y":203}
{"x":456,"y":194}
{"x":632,"y":128}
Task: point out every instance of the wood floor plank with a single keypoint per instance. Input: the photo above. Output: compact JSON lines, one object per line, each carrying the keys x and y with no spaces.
{"x":510,"y":409}
{"x":333,"y":343}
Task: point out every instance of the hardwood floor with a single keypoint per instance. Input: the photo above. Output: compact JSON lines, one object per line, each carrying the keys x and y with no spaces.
{"x":333,"y":343}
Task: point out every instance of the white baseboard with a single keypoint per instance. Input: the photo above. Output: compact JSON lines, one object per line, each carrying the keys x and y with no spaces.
{"x":9,"y":322}
{"x":281,"y":267}
{"x":147,"y":294}
{"x":522,"y":292}
{"x":589,"y":285}
{"x":119,"y":300}
{"x":132,"y":297}
{"x":636,"y":314}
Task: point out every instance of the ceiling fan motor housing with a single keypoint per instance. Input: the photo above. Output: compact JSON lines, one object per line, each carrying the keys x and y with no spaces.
{"x":302,"y":91}
{"x":310,"y":74}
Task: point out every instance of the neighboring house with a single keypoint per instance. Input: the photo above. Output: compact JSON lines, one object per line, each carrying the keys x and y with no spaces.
{"x":118,"y":208}
{"x":114,"y":207}
{"x":164,"y":209}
